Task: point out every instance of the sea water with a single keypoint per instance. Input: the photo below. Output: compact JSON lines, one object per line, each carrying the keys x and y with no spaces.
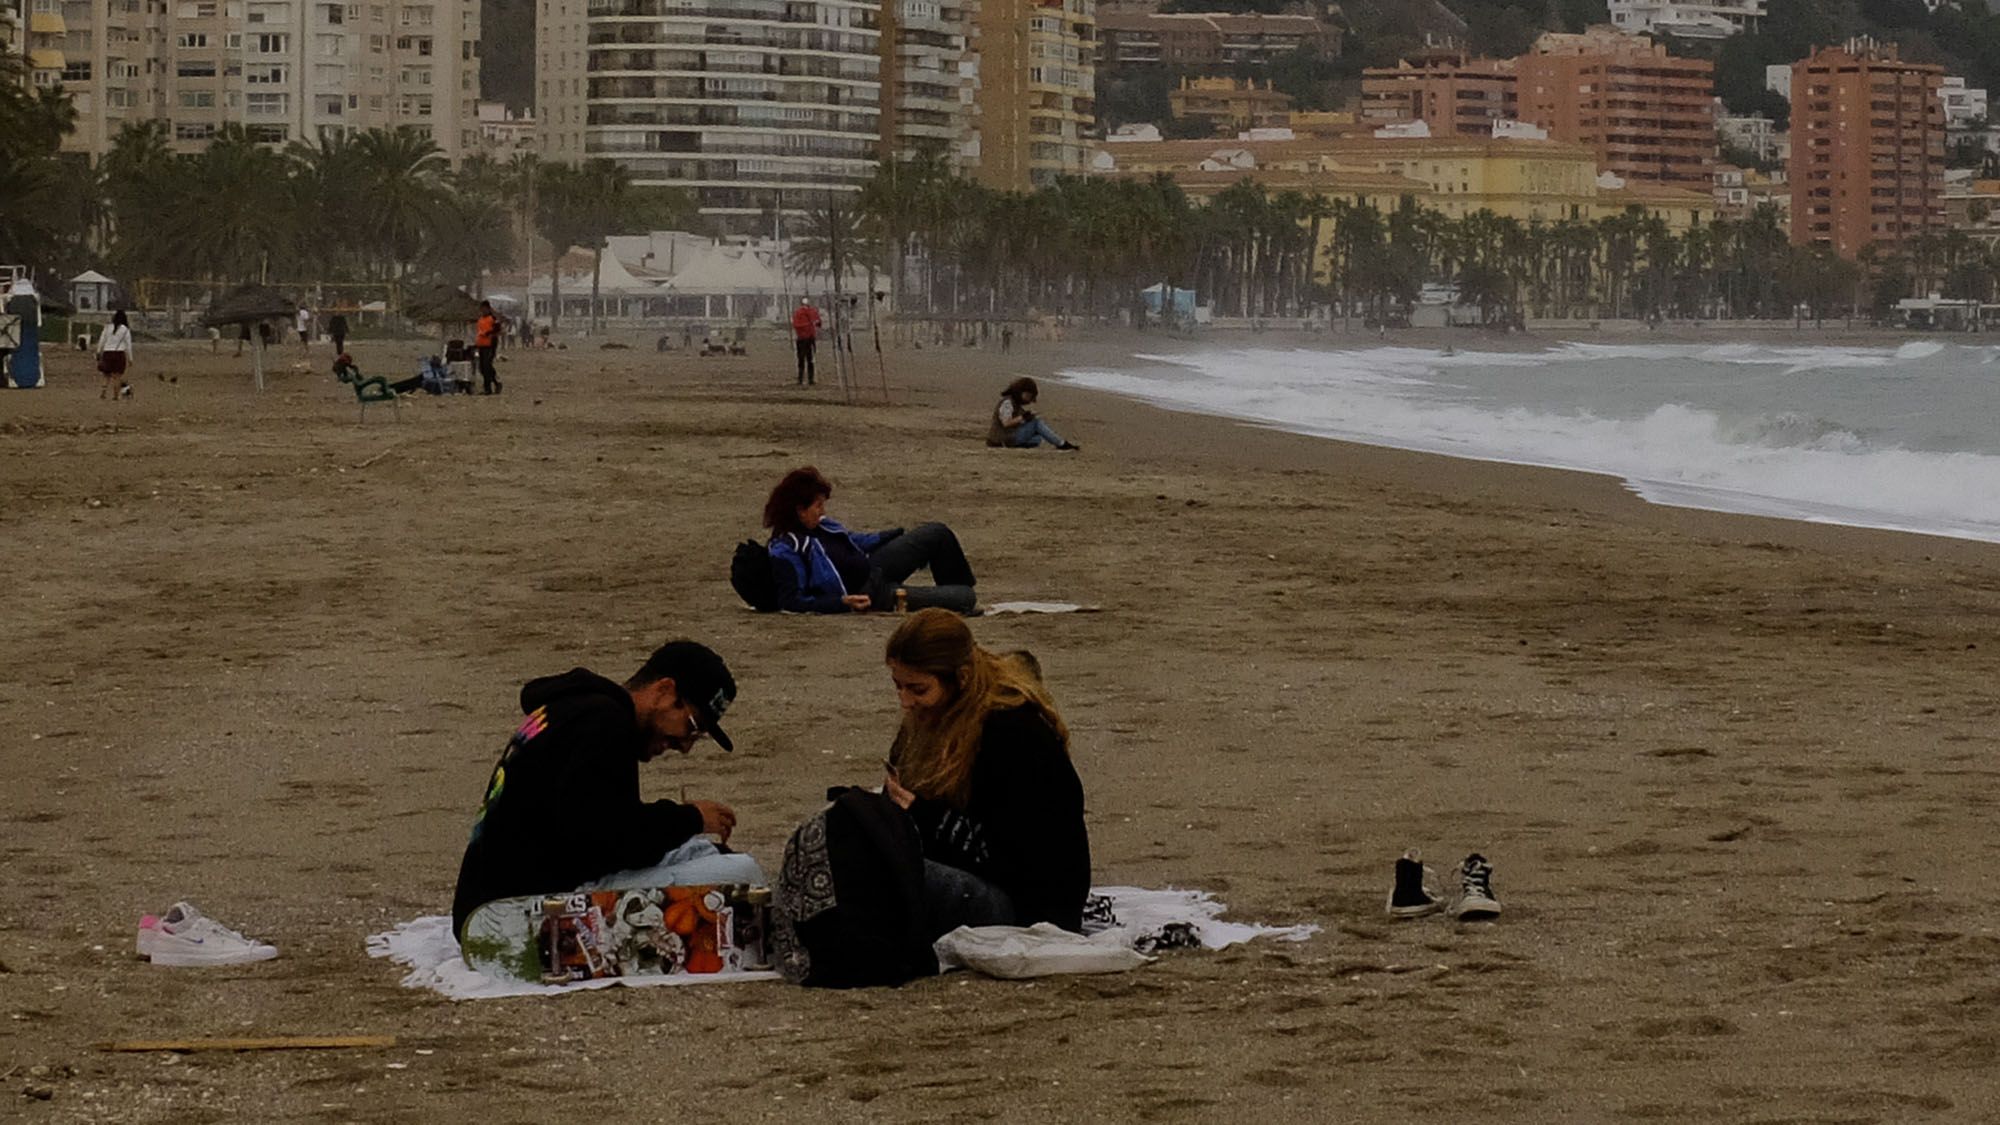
{"x":1904,"y":438}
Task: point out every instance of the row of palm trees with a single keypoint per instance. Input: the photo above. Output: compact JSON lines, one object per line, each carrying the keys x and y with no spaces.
{"x":385,"y":205}
{"x":1088,"y":245}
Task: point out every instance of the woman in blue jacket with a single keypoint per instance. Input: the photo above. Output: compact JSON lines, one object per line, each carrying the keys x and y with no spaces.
{"x":821,"y":567}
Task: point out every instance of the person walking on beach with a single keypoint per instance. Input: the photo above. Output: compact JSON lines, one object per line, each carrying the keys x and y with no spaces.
{"x":336,"y":327}
{"x":562,"y":805}
{"x":486,"y":342}
{"x":818,"y":566}
{"x":305,"y":325}
{"x":114,"y":354}
{"x":1016,"y":426}
{"x":805,"y":336}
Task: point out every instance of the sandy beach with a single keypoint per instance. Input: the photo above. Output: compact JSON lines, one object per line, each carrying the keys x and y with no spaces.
{"x":1732,"y":772}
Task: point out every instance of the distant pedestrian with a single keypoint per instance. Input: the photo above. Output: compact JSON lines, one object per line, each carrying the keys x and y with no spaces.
{"x":114,"y":354}
{"x":336,"y":327}
{"x":305,"y":323}
{"x":485,"y":342}
{"x":805,"y":334}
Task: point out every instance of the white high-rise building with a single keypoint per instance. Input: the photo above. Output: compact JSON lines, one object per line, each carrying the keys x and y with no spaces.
{"x":1963,"y":105}
{"x":760,"y":108}
{"x":283,"y":69}
{"x":1688,"y":19}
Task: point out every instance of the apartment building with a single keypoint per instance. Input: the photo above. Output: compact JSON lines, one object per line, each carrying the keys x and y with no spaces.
{"x":1686,"y":19}
{"x":1868,"y":144}
{"x":1230,"y":105}
{"x":285,"y":70}
{"x":1650,"y":115}
{"x":761,"y":108}
{"x":1035,"y":104}
{"x":930,"y":76}
{"x":1964,"y":106}
{"x":1453,"y":94}
{"x":1206,"y":40}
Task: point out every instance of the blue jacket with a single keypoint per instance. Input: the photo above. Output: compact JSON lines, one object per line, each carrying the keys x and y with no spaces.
{"x":806,"y":579}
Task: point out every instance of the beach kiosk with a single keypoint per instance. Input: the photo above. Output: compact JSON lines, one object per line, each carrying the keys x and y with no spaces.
{"x":21,"y":334}
{"x":92,"y":292}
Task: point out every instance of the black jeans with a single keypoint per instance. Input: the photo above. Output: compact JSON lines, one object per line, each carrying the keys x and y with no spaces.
{"x":927,"y":545}
{"x":806,"y":359}
{"x":488,"y":376}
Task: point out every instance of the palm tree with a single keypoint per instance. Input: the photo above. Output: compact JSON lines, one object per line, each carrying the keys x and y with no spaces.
{"x":404,"y":173}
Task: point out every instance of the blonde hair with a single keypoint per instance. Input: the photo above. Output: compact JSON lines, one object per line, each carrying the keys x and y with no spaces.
{"x":934,"y":753}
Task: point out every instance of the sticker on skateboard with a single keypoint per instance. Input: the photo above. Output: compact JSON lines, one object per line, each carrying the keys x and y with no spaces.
{"x":638,"y":931}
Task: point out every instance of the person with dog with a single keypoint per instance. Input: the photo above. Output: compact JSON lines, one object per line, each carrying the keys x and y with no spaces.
{"x":818,"y":566}
{"x":562,"y":804}
{"x":981,"y":764}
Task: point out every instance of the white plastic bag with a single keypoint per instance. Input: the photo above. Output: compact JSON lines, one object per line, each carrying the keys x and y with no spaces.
{"x":1041,"y":950}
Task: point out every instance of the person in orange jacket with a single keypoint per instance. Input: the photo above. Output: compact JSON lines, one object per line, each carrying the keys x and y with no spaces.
{"x":485,"y":342}
{"x":805,"y":333}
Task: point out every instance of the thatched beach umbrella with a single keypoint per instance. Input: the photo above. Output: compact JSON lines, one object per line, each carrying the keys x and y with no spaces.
{"x":444,"y":306}
{"x":251,"y":304}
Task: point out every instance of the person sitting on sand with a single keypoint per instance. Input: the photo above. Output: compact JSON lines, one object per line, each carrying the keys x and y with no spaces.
{"x":981,"y":764}
{"x":562,"y":805}
{"x":819,"y":566}
{"x":1016,"y":426}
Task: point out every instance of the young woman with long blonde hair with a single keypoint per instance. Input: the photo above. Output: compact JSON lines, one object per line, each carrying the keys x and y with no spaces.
{"x":982,"y":765}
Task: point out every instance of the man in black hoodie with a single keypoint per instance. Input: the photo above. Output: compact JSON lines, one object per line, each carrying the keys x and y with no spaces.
{"x":562,"y":806}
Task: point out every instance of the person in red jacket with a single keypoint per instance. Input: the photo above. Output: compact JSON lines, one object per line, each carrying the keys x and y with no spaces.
{"x":805,"y":331}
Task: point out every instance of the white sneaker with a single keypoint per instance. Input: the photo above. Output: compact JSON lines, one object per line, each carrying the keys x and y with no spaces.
{"x":185,"y":936}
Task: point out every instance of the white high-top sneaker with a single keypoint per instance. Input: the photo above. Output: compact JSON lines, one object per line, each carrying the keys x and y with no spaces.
{"x":186,"y":936}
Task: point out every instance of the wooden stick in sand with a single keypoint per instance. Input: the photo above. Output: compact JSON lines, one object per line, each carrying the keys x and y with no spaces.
{"x":265,"y":1043}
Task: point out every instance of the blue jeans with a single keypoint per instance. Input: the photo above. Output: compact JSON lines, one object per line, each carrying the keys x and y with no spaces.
{"x":1034,"y":432}
{"x":954,"y":898}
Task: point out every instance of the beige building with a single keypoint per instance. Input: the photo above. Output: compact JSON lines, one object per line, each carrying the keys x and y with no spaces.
{"x":930,"y":80}
{"x":285,"y":70}
{"x":761,"y":108}
{"x":1037,"y":90}
{"x":1230,"y":105}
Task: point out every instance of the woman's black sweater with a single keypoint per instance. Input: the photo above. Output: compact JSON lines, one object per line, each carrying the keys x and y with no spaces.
{"x":1022,"y":826}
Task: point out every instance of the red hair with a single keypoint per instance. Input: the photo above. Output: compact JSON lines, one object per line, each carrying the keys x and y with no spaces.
{"x":798,"y":490}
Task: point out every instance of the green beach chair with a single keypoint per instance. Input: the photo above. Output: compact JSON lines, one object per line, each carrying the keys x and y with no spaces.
{"x":367,"y":389}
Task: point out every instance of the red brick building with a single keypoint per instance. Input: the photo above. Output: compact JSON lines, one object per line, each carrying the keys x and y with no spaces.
{"x":1454,"y":95}
{"x":1648,"y":114}
{"x":1868,"y":140}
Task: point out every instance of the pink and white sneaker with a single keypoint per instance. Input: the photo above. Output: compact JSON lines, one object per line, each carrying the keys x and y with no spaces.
{"x":186,"y":936}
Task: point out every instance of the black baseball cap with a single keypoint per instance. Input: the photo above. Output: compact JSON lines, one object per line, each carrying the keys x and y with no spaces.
{"x":700,"y":678}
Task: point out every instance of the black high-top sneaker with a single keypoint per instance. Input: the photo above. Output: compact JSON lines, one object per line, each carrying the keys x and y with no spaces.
{"x":1408,"y":898}
{"x":1475,"y":891}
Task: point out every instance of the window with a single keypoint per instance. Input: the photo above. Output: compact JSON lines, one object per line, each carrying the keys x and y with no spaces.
{"x":336,"y":14}
{"x":194,"y":131}
{"x":197,"y":99}
{"x":330,"y":46}
{"x":267,"y":74}
{"x":270,"y":44}
{"x":267,"y":105}
{"x":269,"y":134}
{"x":192,"y":39}
{"x":194,"y":69}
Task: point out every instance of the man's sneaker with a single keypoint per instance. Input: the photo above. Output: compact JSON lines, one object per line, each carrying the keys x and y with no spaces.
{"x":1408,"y":898}
{"x":185,"y":936}
{"x":1475,"y":891}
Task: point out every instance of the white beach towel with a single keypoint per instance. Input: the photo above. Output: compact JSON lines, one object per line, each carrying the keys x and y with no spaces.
{"x":426,"y":947}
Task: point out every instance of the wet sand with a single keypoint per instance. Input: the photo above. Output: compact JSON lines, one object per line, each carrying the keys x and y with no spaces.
{"x":1734,"y":774}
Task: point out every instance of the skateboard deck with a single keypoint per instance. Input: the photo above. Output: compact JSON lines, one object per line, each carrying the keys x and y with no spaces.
{"x":622,"y":932}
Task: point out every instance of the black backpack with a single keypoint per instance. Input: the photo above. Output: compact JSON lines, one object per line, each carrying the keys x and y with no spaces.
{"x":750,"y":574}
{"x":848,"y":908}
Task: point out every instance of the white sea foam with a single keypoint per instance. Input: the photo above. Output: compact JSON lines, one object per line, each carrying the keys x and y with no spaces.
{"x":1903,"y":438}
